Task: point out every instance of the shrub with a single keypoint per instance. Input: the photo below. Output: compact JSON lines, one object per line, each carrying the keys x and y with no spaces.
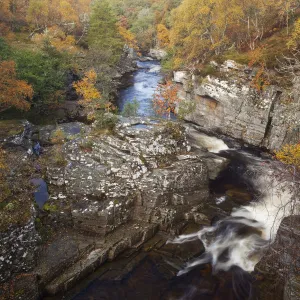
{"x":208,"y":70}
{"x":131,"y":108}
{"x":239,"y":57}
{"x":58,"y":136}
{"x":86,"y":145}
{"x":175,"y":130}
{"x":185,"y":108}
{"x":105,"y":120}
{"x":58,"y":157}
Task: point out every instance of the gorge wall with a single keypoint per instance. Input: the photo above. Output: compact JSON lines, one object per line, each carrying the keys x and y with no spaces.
{"x":227,"y":104}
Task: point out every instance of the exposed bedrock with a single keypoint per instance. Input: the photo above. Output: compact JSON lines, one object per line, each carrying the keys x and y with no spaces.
{"x":227,"y":103}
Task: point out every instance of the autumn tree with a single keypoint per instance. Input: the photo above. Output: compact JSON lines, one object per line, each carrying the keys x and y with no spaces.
{"x":13,"y":92}
{"x":90,"y":96}
{"x":166,"y":99}
{"x":127,"y":35}
{"x":163,"y":35}
{"x":37,"y":14}
{"x":57,"y":39}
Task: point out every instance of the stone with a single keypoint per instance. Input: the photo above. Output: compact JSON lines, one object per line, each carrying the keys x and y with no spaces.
{"x":18,"y":249}
{"x":158,"y":54}
{"x":131,"y":175}
{"x":228,"y":104}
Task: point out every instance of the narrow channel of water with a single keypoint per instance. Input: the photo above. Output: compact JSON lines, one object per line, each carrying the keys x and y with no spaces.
{"x":144,"y":83}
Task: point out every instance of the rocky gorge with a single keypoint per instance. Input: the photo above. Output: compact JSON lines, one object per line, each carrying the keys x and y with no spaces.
{"x":116,"y":197}
{"x":108,"y":193}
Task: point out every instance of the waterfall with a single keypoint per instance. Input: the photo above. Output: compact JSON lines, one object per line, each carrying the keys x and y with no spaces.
{"x":241,"y":239}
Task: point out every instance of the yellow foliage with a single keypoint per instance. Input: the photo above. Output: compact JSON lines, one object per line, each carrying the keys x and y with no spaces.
{"x":163,"y":35}
{"x":58,"y":137}
{"x":90,"y":96}
{"x":289,"y":154}
{"x":202,"y":28}
{"x":128,"y":37}
{"x":294,"y":40}
{"x":58,"y":39}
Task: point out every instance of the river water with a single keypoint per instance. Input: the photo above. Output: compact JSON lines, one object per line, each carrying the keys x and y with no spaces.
{"x":144,"y":83}
{"x":248,"y":213}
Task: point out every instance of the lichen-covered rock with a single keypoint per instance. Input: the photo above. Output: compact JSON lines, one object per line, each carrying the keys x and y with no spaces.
{"x":228,"y":104}
{"x":157,"y":53}
{"x":18,"y":250}
{"x":67,"y":131}
{"x":112,"y":179}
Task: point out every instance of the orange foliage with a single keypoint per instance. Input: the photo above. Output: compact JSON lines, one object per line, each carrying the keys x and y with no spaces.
{"x":90,"y":96}
{"x":163,"y":35}
{"x":129,"y":37}
{"x":58,"y":39}
{"x":166,"y":99}
{"x":86,"y":88}
{"x":13,"y":92}
{"x":260,"y":81}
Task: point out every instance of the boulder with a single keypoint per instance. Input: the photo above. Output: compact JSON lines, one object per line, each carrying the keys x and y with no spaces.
{"x":158,"y":54}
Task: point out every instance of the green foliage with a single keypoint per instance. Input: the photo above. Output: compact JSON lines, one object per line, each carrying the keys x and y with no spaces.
{"x":45,"y":73}
{"x":143,"y":16}
{"x":239,"y":57}
{"x":50,"y":207}
{"x":58,"y":136}
{"x":5,"y":50}
{"x":103,"y":33}
{"x":175,"y":130}
{"x":44,"y":70}
{"x":105,"y":120}
{"x":168,"y":62}
{"x":57,"y":157}
{"x":87,"y":145}
{"x":131,"y":108}
{"x":208,"y":70}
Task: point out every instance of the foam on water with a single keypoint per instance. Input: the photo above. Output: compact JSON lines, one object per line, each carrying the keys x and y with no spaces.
{"x":212,"y":143}
{"x":242,"y":238}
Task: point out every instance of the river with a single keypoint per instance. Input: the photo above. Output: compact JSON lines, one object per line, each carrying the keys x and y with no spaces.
{"x":242,"y":210}
{"x":144,"y":83}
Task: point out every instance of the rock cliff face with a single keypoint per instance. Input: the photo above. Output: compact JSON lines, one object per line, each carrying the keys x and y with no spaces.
{"x":226,"y":103}
{"x":108,"y":194}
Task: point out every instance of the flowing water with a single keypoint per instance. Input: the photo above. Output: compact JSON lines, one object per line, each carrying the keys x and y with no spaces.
{"x":240,"y":239}
{"x":255,"y":203}
{"x":144,"y":83}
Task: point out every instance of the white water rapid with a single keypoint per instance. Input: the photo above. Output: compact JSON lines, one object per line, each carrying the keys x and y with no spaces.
{"x":241,"y":239}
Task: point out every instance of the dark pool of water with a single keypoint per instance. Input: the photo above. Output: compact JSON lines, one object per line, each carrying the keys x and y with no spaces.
{"x":75,"y":129}
{"x":41,"y":194}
